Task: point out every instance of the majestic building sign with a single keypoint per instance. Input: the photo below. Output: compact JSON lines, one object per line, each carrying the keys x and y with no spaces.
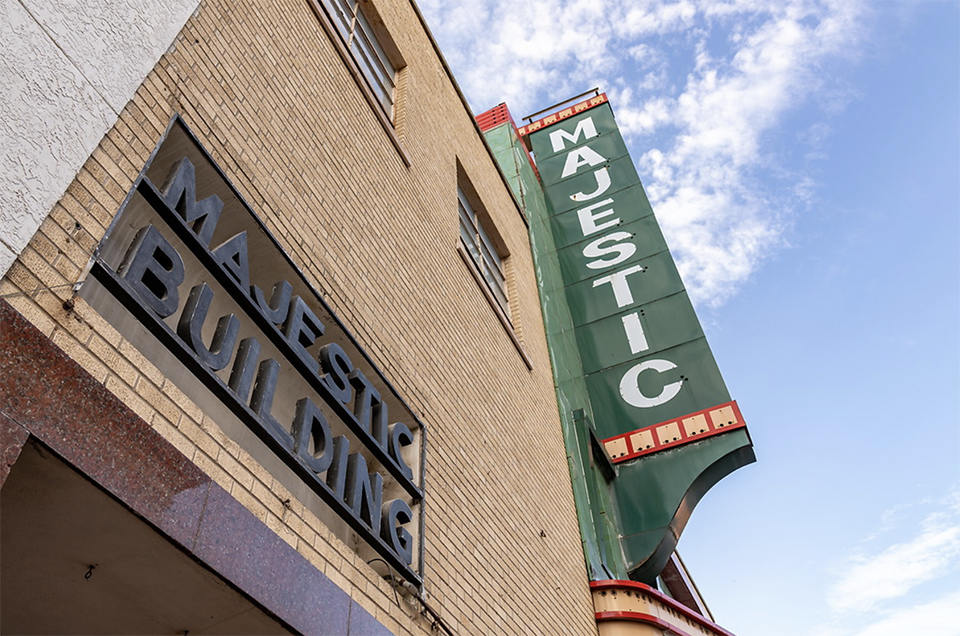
{"x":644,"y":355}
{"x":648,"y":420}
{"x":189,"y":259}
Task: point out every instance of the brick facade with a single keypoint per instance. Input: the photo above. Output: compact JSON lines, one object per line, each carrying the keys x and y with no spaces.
{"x":268,"y":95}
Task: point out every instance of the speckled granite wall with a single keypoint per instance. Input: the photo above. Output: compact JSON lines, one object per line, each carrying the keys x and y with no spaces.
{"x":46,"y":395}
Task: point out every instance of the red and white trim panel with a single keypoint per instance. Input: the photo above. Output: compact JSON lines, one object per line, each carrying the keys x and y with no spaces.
{"x":549,"y":120}
{"x":683,"y":430}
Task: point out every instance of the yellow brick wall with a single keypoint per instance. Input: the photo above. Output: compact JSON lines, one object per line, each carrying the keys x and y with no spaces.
{"x":263,"y":88}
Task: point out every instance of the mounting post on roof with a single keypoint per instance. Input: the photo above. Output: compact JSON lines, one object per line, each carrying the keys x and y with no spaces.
{"x":594,"y":91}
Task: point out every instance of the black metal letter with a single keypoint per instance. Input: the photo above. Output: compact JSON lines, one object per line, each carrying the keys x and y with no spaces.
{"x":400,"y":436}
{"x":191,"y":323}
{"x":232,"y":256}
{"x":262,"y":400}
{"x":310,"y":422}
{"x":154,"y":269}
{"x":337,"y":474}
{"x":336,"y":368}
{"x":364,"y":492}
{"x":180,"y":194}
{"x":276,"y":309}
{"x":395,"y":514}
{"x":369,"y":409}
{"x":302,"y":329}
{"x":241,"y":377}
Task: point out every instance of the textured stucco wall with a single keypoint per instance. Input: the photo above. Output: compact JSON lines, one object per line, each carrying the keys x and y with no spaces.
{"x":67,"y":69}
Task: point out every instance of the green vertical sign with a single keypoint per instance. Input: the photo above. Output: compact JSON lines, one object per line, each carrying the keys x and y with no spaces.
{"x":653,"y":392}
{"x":645,"y":358}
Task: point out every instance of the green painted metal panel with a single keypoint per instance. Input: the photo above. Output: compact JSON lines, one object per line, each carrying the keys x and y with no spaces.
{"x":666,"y":323}
{"x":628,"y":205}
{"x":612,"y":250}
{"x":601,"y":117}
{"x":599,"y":151}
{"x":646,"y":280}
{"x":605,"y":180}
{"x":657,"y":495}
{"x":593,"y":496}
{"x":694,"y":381}
{"x":657,"y":487}
{"x":626,"y":347}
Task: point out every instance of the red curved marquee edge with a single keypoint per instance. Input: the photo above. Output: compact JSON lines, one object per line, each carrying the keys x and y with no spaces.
{"x":640,"y":617}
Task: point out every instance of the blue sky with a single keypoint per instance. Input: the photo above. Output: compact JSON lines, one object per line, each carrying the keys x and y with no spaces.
{"x":803,"y":157}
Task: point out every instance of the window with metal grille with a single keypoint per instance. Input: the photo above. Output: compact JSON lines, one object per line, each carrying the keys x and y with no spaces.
{"x":360,"y":38}
{"x":483,"y":252}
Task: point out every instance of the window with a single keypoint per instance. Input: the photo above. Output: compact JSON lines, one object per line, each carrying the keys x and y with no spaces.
{"x":483,"y":252}
{"x":486,"y":257}
{"x":366,"y":47}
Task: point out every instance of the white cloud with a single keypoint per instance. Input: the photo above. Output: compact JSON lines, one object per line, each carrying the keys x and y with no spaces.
{"x":906,"y":585}
{"x":940,"y":617}
{"x":699,"y":88}
{"x":657,"y":17}
{"x":871,"y":579}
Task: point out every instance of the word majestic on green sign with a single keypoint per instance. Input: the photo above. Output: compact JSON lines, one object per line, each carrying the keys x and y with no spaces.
{"x":632,"y":367}
{"x":644,"y":354}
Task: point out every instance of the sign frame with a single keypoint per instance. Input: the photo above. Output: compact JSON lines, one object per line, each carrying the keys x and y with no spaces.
{"x":385,"y":446}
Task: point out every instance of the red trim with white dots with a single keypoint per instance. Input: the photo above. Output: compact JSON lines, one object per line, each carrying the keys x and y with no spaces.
{"x":676,"y":432}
